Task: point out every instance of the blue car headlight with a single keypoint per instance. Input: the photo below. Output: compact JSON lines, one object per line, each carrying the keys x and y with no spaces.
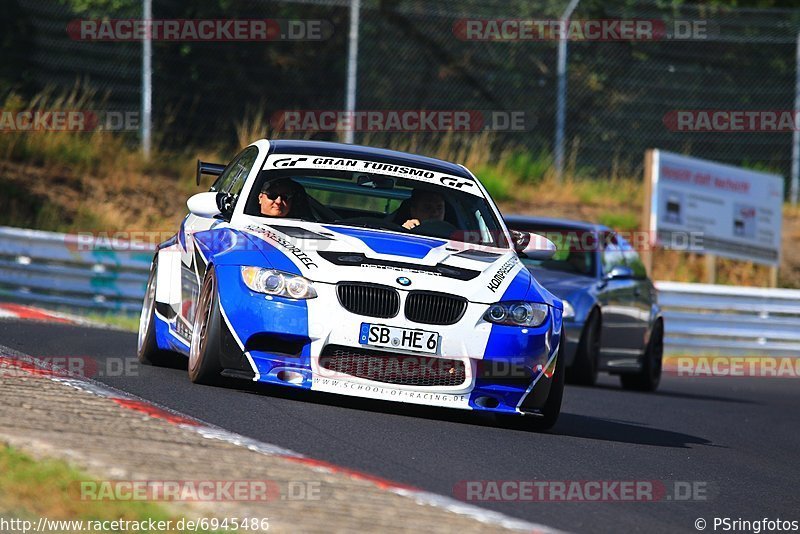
{"x":569,"y":311}
{"x":278,"y":283}
{"x":517,"y":313}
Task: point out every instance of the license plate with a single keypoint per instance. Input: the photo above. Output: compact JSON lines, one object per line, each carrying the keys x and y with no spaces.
{"x":378,"y":335}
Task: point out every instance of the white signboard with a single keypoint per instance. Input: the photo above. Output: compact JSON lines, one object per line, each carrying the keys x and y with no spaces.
{"x":727,"y":211}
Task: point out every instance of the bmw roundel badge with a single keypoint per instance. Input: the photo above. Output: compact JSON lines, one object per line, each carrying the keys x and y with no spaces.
{"x":403,"y":281}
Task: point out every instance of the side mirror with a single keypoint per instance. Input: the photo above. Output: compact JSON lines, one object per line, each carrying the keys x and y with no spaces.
{"x":533,"y":246}
{"x":204,"y":204}
{"x":619,"y":272}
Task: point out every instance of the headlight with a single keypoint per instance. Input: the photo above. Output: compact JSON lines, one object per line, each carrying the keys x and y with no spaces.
{"x":517,"y":313}
{"x":277,"y":283}
{"x":569,"y":311}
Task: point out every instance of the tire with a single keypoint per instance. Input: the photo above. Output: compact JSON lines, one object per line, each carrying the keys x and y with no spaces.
{"x":147,"y":350}
{"x":649,"y":377}
{"x":552,"y":406}
{"x":204,"y":367}
{"x":584,"y":369}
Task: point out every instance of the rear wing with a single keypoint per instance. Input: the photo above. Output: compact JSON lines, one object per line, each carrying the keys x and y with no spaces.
{"x":209,"y":169}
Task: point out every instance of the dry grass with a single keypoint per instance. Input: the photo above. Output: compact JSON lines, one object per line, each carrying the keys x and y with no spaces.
{"x":99,"y":181}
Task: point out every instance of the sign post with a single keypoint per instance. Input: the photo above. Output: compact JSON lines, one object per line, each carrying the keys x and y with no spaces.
{"x":706,"y":207}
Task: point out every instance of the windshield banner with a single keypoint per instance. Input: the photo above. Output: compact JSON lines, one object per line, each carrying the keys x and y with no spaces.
{"x":309,"y":161}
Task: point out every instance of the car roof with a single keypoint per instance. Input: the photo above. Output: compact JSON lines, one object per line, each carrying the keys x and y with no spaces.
{"x":342,"y":150}
{"x":567,"y":224}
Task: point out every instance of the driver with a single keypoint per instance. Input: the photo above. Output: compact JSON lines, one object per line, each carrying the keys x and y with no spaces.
{"x":280,"y":198}
{"x":424,"y":206}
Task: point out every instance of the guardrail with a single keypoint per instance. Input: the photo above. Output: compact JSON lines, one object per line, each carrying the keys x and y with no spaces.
{"x":72,"y":270}
{"x":730,"y":320}
{"x":87,"y":272}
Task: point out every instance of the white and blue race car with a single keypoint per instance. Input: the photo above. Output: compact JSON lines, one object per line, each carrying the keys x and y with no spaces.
{"x":341,"y":296}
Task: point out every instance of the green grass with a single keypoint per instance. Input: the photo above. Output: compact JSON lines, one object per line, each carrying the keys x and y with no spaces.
{"x":49,"y":488}
{"x":123,"y":321}
{"x":528,"y":169}
{"x":498,"y":184}
{"x":620,"y":221}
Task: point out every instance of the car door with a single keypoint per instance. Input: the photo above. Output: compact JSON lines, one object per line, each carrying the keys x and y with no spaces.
{"x":643,"y":293}
{"x":229,"y":184}
{"x":620,"y":337}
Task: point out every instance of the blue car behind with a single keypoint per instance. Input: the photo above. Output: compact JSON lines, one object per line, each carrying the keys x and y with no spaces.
{"x":611,"y":315}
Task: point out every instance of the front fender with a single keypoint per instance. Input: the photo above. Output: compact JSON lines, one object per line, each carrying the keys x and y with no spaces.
{"x":226,"y":246}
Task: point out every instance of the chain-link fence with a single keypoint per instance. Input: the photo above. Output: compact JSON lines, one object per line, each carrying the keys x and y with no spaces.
{"x":414,"y":55}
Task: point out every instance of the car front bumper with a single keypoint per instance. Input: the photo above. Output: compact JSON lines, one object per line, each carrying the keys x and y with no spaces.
{"x":505,"y":369}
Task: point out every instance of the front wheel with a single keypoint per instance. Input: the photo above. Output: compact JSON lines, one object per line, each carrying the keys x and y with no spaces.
{"x":204,"y":367}
{"x":552,"y":406}
{"x":649,"y":377}
{"x":584,"y":370}
{"x":148,"y":351}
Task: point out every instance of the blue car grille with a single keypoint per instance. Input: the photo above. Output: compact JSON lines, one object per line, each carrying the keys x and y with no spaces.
{"x":388,"y":368}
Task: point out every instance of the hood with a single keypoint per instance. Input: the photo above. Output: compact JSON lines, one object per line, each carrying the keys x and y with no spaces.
{"x":562,"y":284}
{"x":330,"y":253}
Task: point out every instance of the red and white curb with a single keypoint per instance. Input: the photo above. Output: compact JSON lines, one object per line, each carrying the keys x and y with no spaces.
{"x":9,"y":358}
{"x":18,"y":311}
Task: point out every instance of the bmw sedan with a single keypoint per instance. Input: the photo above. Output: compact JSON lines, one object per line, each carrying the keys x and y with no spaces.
{"x":611,"y":315}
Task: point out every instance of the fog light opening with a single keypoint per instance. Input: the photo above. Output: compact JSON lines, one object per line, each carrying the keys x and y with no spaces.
{"x":292,"y":377}
{"x":487,"y":402}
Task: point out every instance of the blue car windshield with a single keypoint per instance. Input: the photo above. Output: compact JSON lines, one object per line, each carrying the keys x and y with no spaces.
{"x":383,"y":202}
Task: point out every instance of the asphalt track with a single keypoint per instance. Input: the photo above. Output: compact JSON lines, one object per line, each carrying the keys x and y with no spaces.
{"x":736,"y":439}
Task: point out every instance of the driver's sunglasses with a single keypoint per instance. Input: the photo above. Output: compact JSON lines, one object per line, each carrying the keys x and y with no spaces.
{"x":273,"y":195}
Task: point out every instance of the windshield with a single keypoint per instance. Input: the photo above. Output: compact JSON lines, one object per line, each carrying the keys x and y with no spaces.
{"x":575,"y":249}
{"x":371,"y":200}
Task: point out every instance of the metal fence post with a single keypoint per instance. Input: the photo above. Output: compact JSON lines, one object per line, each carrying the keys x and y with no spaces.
{"x":147,"y":80}
{"x":796,"y":133}
{"x":352,"y":67}
{"x":561,"y":91}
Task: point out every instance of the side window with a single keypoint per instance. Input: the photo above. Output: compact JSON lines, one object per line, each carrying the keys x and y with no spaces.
{"x":612,"y":253}
{"x":242,"y":170}
{"x":233,"y":178}
{"x":233,"y":170}
{"x":632,"y":258}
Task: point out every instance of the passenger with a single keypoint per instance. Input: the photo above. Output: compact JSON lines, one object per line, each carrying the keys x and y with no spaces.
{"x":424,"y":206}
